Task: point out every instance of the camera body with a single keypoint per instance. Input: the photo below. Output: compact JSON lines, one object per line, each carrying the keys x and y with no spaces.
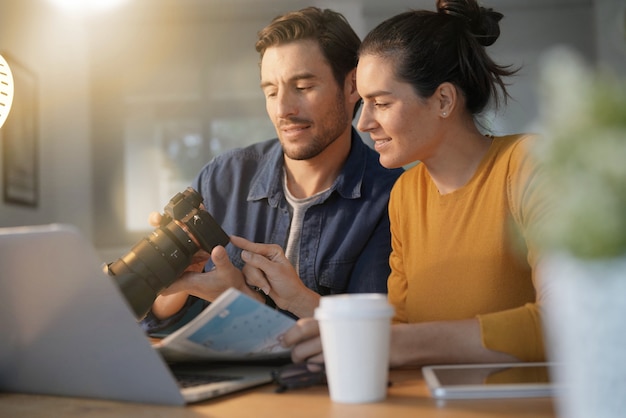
{"x":158,"y":259}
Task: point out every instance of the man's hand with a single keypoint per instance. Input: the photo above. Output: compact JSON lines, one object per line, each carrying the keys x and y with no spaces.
{"x":211,"y":284}
{"x":268,"y":269}
{"x":198,"y":260}
{"x":194,"y":282}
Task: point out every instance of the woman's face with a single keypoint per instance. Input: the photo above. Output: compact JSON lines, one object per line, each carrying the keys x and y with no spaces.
{"x":403,"y":125}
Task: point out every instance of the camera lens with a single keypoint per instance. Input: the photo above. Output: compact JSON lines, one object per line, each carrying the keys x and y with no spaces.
{"x":159,"y":258}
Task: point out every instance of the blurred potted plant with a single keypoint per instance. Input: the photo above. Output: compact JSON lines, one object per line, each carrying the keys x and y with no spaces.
{"x":583,"y":156}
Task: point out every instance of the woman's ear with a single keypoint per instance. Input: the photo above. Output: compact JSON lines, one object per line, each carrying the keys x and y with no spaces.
{"x":447,"y":96}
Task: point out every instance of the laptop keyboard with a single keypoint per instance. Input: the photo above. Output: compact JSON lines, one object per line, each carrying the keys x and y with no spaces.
{"x":191,"y":380}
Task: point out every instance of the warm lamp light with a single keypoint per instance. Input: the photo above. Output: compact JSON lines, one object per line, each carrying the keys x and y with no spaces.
{"x":86,"y":6}
{"x":6,"y":90}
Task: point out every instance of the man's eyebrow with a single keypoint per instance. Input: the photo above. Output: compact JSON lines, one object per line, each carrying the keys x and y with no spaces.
{"x":297,"y":77}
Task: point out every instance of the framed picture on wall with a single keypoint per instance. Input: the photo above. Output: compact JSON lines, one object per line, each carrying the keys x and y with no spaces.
{"x":19,"y":136}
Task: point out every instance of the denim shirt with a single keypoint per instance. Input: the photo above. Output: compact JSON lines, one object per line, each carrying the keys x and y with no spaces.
{"x":345,"y":242}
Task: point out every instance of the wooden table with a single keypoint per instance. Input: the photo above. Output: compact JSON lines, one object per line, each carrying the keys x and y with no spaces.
{"x":408,"y":397}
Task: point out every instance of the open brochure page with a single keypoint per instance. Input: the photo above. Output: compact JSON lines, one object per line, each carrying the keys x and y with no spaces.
{"x":233,"y":327}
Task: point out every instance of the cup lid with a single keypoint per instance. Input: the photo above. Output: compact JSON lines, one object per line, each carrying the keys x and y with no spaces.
{"x":354,"y":305}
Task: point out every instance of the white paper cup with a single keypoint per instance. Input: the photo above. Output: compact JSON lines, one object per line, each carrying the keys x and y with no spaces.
{"x":356,"y":333}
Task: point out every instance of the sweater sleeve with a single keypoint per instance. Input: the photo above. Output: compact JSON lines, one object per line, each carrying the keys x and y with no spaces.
{"x":515,"y":331}
{"x":397,"y":282}
{"x":519,"y":331}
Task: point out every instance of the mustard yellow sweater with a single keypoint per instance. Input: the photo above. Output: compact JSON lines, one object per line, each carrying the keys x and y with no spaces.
{"x":463,"y":254}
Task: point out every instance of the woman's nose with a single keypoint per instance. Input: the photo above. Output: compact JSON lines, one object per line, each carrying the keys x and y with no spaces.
{"x":365,"y":122}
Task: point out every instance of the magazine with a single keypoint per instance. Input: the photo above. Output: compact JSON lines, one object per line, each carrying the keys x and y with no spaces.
{"x":234,"y":327}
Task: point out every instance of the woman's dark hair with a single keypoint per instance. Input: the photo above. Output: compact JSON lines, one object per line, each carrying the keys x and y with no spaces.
{"x":336,"y":38}
{"x":430,"y":48}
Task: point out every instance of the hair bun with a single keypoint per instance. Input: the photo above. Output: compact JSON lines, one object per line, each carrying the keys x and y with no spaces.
{"x":483,"y":23}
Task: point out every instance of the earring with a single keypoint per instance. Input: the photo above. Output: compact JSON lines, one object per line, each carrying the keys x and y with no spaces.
{"x":444,"y":114}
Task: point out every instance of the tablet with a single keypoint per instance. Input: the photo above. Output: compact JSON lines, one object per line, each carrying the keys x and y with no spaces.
{"x":502,"y":380}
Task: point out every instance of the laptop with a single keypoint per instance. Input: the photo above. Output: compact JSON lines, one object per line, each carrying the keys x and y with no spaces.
{"x":67,"y":330}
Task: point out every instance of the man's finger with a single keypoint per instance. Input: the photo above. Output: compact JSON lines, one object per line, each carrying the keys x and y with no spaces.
{"x":219,"y":256}
{"x":257,"y":260}
{"x":154,"y":219}
{"x":255,"y":277}
{"x":270,"y":251}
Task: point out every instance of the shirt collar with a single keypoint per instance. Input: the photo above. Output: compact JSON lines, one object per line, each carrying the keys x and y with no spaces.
{"x":267,"y":183}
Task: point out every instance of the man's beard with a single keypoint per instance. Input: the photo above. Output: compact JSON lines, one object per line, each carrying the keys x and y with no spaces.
{"x":335,"y":122}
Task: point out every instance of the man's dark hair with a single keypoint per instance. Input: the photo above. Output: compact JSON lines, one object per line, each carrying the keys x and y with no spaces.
{"x":336,"y":38}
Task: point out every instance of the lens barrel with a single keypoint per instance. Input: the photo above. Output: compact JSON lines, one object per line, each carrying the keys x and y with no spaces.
{"x":157,"y":260}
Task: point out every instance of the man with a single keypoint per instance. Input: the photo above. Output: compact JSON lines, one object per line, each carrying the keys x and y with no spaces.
{"x":317,"y":192}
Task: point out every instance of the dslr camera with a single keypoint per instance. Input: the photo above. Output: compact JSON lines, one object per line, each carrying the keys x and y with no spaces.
{"x":157,"y":260}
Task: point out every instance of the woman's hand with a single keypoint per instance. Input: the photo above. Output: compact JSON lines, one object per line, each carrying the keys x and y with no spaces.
{"x":304,"y":341}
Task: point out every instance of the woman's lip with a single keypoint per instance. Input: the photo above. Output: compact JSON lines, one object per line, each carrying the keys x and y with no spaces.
{"x":381,"y":143}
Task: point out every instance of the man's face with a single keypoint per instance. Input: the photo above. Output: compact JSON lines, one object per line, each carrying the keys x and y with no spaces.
{"x":307,"y":107}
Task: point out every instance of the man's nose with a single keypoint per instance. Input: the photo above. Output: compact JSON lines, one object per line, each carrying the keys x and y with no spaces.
{"x":286,"y":104}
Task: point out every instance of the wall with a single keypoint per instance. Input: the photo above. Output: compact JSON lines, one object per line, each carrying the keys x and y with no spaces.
{"x":53,"y":47}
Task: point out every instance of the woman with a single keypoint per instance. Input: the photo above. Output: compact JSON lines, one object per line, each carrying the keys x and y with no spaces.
{"x":462,"y":280}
